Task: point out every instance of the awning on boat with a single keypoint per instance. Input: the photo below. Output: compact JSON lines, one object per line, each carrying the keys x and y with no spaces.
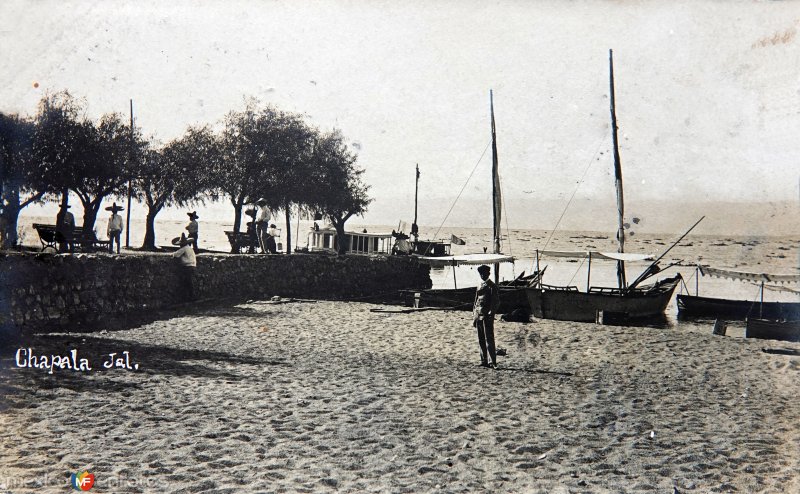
{"x":782,"y":289}
{"x":742,"y":275}
{"x":466,"y":259}
{"x":584,"y":254}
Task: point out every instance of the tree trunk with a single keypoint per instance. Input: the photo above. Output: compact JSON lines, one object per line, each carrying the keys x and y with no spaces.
{"x":150,"y":228}
{"x":90,"y":210}
{"x":9,"y":217}
{"x":288,"y":230}
{"x":341,"y":246}
{"x":237,"y":222}
{"x":63,"y":209}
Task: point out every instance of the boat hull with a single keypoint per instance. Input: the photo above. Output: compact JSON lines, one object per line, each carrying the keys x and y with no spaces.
{"x":571,"y":305}
{"x":773,"y":330}
{"x":512,"y":296}
{"x":721,"y":308}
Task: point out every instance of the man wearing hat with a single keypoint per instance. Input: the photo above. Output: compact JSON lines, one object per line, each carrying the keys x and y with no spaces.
{"x":114,"y":230}
{"x":188,"y":265}
{"x":192,"y":228}
{"x":262,"y":223}
{"x":487,"y":302}
{"x":65,"y":228}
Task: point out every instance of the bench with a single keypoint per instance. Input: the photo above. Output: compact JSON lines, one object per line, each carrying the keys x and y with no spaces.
{"x":240,"y":241}
{"x":86,"y":241}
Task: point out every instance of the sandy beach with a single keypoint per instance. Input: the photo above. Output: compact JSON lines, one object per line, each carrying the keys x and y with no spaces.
{"x":330,"y":396}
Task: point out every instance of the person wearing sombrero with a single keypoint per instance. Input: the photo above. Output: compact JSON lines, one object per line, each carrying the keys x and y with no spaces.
{"x":252,"y":237}
{"x":65,"y":228}
{"x":192,"y":228}
{"x":114,"y":230}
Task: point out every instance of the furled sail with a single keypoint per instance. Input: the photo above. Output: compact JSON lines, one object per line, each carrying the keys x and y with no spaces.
{"x":495,"y":183}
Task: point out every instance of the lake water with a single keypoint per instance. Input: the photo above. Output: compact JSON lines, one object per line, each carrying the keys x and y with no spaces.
{"x":774,"y":254}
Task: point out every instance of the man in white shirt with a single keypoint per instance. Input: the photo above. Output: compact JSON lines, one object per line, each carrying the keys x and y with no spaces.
{"x":188,"y":265}
{"x":114,"y":230}
{"x":272,"y":236}
{"x":261,"y":224}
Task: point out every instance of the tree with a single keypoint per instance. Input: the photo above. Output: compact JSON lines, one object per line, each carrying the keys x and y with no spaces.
{"x":262,"y":152}
{"x":62,"y":139}
{"x":284,"y":178}
{"x":175,"y":174}
{"x":21,"y":182}
{"x":106,"y":167}
{"x":339,"y":192}
{"x":75,"y":154}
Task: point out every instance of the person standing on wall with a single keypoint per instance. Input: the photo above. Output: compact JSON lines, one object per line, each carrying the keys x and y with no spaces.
{"x":272,"y":234}
{"x":114,"y":230}
{"x":65,"y":228}
{"x":252,"y":238}
{"x":187,"y":265}
{"x":487,"y":302}
{"x":262,"y":223}
{"x":192,"y":228}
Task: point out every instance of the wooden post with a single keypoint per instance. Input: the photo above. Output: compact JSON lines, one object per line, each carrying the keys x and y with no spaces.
{"x":589,"y":272}
{"x":696,"y":281}
{"x":761,"y":306}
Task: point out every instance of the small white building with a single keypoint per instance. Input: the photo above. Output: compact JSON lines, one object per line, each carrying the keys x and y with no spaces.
{"x":326,"y":239}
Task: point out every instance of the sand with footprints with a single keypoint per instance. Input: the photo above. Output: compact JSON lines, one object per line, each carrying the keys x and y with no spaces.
{"x":333,"y":397}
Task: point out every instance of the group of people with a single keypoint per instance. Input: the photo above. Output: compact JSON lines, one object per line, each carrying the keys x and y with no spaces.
{"x":260,"y":231}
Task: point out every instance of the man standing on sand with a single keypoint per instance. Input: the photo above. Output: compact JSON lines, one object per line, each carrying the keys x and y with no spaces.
{"x":486,"y":303}
{"x":188,"y":265}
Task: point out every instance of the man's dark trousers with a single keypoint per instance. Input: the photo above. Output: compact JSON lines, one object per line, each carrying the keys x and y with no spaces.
{"x":485,"y":328}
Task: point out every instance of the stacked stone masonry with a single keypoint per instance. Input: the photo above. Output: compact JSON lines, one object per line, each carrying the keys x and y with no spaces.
{"x":46,"y":291}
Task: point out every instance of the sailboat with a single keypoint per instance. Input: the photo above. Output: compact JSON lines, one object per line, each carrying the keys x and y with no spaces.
{"x":603,"y":304}
{"x":512,"y":293}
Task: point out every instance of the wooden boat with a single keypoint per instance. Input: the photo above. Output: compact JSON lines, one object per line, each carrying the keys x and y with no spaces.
{"x":600,"y":304}
{"x":691,"y":306}
{"x":771,"y":329}
{"x":512,"y":293}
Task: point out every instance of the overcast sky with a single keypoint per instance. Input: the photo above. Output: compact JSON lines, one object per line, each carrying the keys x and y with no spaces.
{"x":708,"y":93}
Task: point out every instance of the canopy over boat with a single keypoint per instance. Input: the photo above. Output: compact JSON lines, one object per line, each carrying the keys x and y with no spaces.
{"x":466,"y":259}
{"x":745,"y":276}
{"x":583,"y":254}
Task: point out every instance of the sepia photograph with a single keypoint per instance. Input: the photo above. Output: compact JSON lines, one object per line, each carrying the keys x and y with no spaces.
{"x":270,"y":246}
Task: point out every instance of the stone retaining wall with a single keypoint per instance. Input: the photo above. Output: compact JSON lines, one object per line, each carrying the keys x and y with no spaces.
{"x":46,"y":291}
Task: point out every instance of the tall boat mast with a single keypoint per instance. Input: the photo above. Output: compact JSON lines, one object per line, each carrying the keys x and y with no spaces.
{"x":617,"y":179}
{"x":497,"y":209}
{"x":414,"y":228}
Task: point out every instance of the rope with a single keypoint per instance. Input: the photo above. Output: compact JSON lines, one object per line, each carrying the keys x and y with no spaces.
{"x":462,"y":190}
{"x":508,"y":230}
{"x":553,"y":231}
